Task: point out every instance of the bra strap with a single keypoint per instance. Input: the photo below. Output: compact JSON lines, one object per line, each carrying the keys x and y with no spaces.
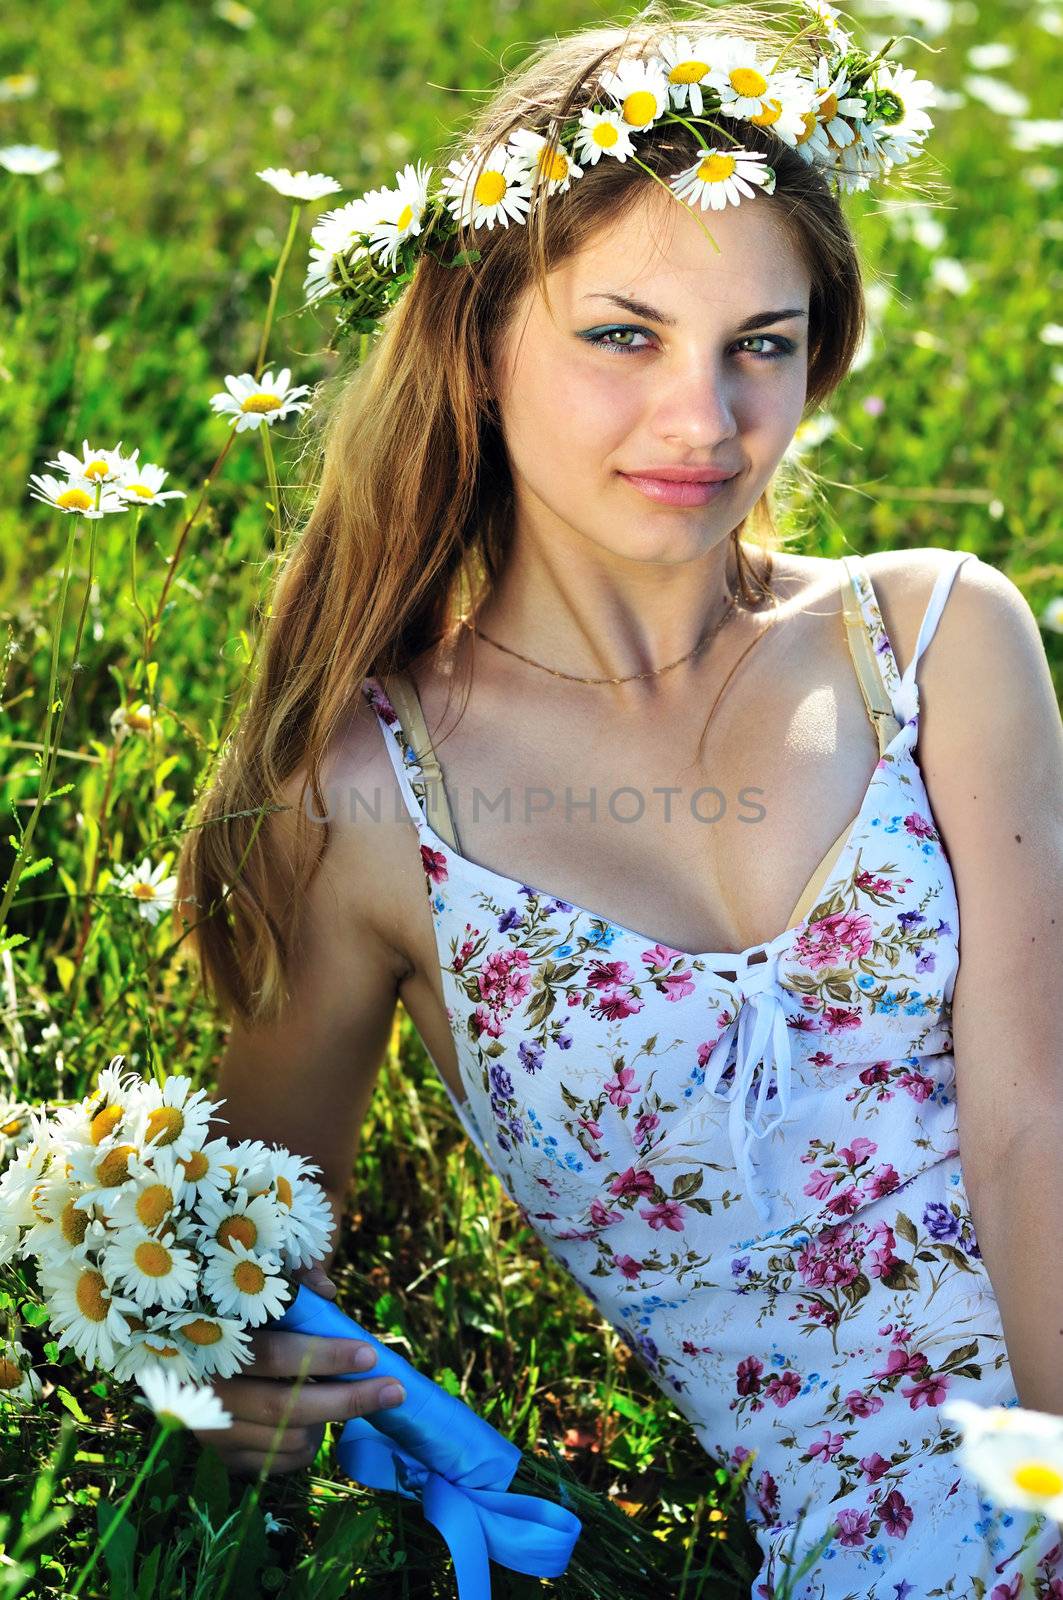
{"x":401,"y":692}
{"x":869,"y":673}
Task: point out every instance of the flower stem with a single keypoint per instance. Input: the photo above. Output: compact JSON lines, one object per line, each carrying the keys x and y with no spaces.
{"x":274,"y":489}
{"x":166,"y":1427}
{"x":275,"y":283}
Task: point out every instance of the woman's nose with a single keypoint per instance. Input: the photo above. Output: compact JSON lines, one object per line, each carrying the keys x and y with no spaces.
{"x":697,"y":406}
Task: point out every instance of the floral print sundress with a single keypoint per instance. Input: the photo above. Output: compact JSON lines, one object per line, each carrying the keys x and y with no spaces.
{"x":750,"y":1163}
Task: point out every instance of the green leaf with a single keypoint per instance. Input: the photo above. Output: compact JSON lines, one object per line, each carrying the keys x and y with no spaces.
{"x":35,"y":868}
{"x":33,"y":1314}
{"x":72,"y":1404}
{"x":119,"y":1552}
{"x":210,"y":1487}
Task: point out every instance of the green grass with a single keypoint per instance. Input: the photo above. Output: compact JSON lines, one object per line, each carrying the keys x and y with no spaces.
{"x":144,"y":263}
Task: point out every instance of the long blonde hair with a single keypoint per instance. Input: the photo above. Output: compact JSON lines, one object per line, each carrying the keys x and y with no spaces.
{"x":413,"y":517}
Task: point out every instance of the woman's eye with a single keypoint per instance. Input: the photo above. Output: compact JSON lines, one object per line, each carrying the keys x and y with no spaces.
{"x":603,"y":340}
{"x":782,"y":347}
{"x":618,"y":339}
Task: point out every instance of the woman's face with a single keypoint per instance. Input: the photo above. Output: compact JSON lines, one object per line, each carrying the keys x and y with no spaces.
{"x":598,"y":390}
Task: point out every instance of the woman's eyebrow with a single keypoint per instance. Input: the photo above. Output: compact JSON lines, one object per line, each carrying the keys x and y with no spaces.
{"x":639,"y":308}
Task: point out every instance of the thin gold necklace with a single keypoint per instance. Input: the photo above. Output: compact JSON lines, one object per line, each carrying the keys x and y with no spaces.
{"x":655,"y":673}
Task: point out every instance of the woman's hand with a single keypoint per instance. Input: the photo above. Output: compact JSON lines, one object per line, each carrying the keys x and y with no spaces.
{"x":261,"y":1394}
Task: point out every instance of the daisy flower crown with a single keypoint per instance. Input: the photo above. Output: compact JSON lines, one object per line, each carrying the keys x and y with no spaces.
{"x":851,"y":115}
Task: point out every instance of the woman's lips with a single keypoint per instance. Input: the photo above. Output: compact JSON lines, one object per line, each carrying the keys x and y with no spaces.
{"x":668,"y":493}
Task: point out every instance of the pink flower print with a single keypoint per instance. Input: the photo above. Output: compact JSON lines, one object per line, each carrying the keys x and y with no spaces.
{"x":463,"y":955}
{"x":835,"y":940}
{"x":918,"y":1085}
{"x":846,"y":1201}
{"x":896,"y":1514}
{"x":852,"y":1528}
{"x":635,"y":1185}
{"x":620,"y":1089}
{"x":489,"y":1022}
{"x":434,"y":863}
{"x":645,"y":1125}
{"x":884,"y":1180}
{"x":666,"y":1214}
{"x":874,"y":1465}
{"x":505,"y":977}
{"x":855,"y":1154}
{"x":870,"y":883}
{"x":899,"y":1361}
{"x":748,"y":1373}
{"x":675,"y":985}
{"x":661,"y":955}
{"x":820,"y":1185}
{"x":1011,"y":1590}
{"x":919,"y":826}
{"x":837,"y":1018}
{"x":591,"y":1126}
{"x":929,"y":1391}
{"x":782,"y":1387}
{"x":827,"y":1447}
{"x":801,"y":1024}
{"x":767,"y":1493}
{"x":863,"y":1405}
{"x":607,"y":974}
{"x":627,"y":1265}
{"x":877,"y":1072}
{"x":615,"y":1004}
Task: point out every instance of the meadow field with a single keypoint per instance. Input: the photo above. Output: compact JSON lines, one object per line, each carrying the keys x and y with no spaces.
{"x":135,"y":274}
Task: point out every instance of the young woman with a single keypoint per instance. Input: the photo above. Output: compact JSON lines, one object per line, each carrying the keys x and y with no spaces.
{"x":675,"y":902}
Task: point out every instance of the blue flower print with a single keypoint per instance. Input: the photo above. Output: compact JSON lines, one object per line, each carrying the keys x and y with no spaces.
{"x":509,"y":919}
{"x":501,"y":1079}
{"x":908,"y":919}
{"x":530,"y":1054}
{"x":939,"y":1221}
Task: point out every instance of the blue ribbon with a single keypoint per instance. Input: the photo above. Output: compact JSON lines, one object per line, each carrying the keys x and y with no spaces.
{"x":433,"y":1448}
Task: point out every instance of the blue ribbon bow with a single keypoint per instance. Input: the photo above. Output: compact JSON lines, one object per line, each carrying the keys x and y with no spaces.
{"x":433,"y":1448}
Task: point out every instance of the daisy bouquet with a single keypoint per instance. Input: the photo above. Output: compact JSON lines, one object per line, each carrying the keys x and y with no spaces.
{"x":156,"y":1245}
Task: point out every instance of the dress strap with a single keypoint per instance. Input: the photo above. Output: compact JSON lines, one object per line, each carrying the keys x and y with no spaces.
{"x":906,"y":700}
{"x":864,"y":632}
{"x":429,"y":790}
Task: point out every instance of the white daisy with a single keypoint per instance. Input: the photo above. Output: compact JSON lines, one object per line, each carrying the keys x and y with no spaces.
{"x":187,"y":1404}
{"x":212,"y":1344}
{"x":686,"y":67}
{"x":558,"y":168}
{"x":144,"y":486}
{"x":256,"y":1223}
{"x":150,"y":886}
{"x":602,"y":133}
{"x":741,"y":79}
{"x":1015,"y":1453}
{"x":131,"y":719}
{"x":61,"y":1223}
{"x":245,"y":1283}
{"x":785,"y":108}
{"x":97,"y":466}
{"x":73,"y":496}
{"x":86,"y":1314}
{"x":154,"y":1269}
{"x":15,"y":1126}
{"x":205,"y":1170}
{"x":339,"y":241}
{"x":721,"y":176}
{"x":860,"y":163}
{"x":1052,"y":615}
{"x":900,"y":120}
{"x":396,"y":214}
{"x":307,"y":1218}
{"x":115,"y":1161}
{"x":18,"y":1381}
{"x":18,"y":86}
{"x":482,"y":189}
{"x":831,"y":24}
{"x":834,"y":102}
{"x":299,"y":185}
{"x":28,"y":160}
{"x":173,"y":1116}
{"x":151,"y":1202}
{"x":640,"y":89}
{"x":153,"y":1347}
{"x":257,"y":400}
{"x":21,"y":1180}
{"x":812,"y":141}
{"x":250,"y":1165}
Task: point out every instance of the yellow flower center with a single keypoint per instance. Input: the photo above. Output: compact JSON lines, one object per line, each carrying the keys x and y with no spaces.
{"x":10,"y":1374}
{"x":231,"y":1170}
{"x":1038,"y":1477}
{"x":249,"y":1277}
{"x":606,"y":134}
{"x":239,"y":1227}
{"x":167,"y":1122}
{"x":165,"y":1350}
{"x":141,"y":720}
{"x":153,"y":1259}
{"x":74,"y":500}
{"x":769,"y":112}
{"x":747,"y":81}
{"x":490,"y":187}
{"x":284,"y":1190}
{"x":97,"y":469}
{"x":640,"y":108}
{"x":104,"y":1123}
{"x":553,"y":166}
{"x":73,"y":1223}
{"x":196,"y":1166}
{"x":715,"y":168}
{"x":114,"y":1168}
{"x":91,"y":1295}
{"x":141,"y":489}
{"x":828,"y":107}
{"x":153,"y":1203}
{"x":405,"y":217}
{"x":202,"y":1331}
{"x":11,"y":1128}
{"x":808,"y":126}
{"x":144,"y":891}
{"x":688,"y":71}
{"x":261,"y":403}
